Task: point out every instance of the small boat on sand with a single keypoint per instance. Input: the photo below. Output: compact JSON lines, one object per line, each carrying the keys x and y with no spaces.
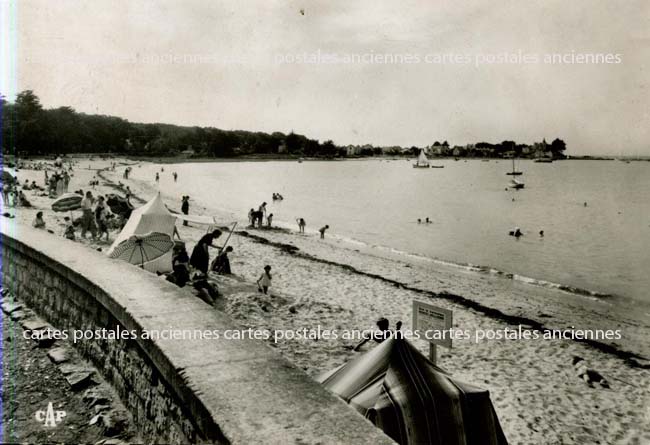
{"x":514,"y":184}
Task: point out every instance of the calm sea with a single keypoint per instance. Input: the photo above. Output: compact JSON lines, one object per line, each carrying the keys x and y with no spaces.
{"x":602,"y":247}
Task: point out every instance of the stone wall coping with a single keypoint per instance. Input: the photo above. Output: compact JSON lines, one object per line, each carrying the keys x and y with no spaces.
{"x":244,"y":389}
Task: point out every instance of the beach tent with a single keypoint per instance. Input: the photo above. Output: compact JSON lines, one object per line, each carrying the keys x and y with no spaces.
{"x":151,"y":217}
{"x":413,"y":401}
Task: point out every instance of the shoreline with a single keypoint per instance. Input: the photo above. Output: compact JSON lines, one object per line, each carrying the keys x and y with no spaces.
{"x":503,"y":314}
{"x":178,"y":159}
{"x":631,"y":358}
{"x":330,"y":284}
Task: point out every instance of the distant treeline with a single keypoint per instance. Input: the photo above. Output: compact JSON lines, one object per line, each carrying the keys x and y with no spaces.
{"x":29,"y":129}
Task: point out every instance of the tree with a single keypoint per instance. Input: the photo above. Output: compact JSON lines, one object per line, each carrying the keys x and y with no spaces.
{"x":557,"y":148}
{"x":293,"y":143}
{"x":328,"y":148}
{"x":29,"y":124}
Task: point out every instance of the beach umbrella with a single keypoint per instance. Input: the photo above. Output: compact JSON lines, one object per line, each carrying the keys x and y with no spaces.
{"x":119,"y":205}
{"x":7,"y":178}
{"x":140,"y":249}
{"x":67,"y":202}
{"x":412,"y":400}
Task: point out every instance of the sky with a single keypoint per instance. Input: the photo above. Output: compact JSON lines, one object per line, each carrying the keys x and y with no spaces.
{"x":369,"y":71}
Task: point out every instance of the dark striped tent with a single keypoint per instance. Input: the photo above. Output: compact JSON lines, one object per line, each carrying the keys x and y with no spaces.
{"x":413,"y":401}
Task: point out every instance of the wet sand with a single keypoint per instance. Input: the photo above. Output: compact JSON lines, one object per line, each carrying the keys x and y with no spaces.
{"x":330,"y":284}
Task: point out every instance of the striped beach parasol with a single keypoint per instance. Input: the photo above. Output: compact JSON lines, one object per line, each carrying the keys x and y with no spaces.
{"x":140,"y":249}
{"x":67,"y":202}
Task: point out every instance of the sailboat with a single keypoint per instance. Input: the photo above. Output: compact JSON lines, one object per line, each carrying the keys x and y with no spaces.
{"x":422,"y":161}
{"x":513,"y":172}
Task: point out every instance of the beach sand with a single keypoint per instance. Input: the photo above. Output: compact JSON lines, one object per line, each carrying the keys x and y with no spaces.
{"x":533,"y":385}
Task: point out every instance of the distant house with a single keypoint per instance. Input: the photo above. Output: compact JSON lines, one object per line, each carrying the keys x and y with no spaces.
{"x":541,"y":150}
{"x":189,"y":152}
{"x":282,"y":148}
{"x":352,"y":150}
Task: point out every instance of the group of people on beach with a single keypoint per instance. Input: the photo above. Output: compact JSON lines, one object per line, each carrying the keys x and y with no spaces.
{"x":162,"y":169}
{"x":95,"y":216}
{"x":13,"y":196}
{"x":57,"y":183}
{"x":517,"y":233}
{"x":257,"y":216}
{"x":194,"y":268}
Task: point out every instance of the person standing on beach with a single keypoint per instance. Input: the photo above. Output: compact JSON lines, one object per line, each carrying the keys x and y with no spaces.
{"x":200,"y":258}
{"x":185,"y":207}
{"x":157,"y":177}
{"x":175,"y":175}
{"x":301,"y":225}
{"x":5,"y":195}
{"x":66,"y":181}
{"x":261,"y":214}
{"x":60,"y":185}
{"x":87,"y":222}
{"x":52,"y":185}
{"x":269,"y":220}
{"x":251,"y":217}
{"x":322,"y":231}
{"x":100,"y":218}
{"x":264,"y":282}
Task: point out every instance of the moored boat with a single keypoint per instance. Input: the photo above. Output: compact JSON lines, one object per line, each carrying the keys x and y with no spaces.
{"x":422,"y":161}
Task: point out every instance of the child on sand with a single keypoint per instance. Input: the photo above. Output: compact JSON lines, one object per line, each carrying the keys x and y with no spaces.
{"x":322,"y":231}
{"x":185,"y":207}
{"x":264,"y":282}
{"x":301,"y":225}
{"x":38,"y":222}
{"x":69,"y":229}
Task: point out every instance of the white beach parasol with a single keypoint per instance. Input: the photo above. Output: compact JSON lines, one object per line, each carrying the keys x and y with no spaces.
{"x":140,"y":249}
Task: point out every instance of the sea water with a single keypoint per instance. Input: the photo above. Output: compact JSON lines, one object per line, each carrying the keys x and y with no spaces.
{"x":595,"y":214}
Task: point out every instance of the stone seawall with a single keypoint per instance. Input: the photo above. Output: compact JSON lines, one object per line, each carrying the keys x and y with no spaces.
{"x":178,"y":391}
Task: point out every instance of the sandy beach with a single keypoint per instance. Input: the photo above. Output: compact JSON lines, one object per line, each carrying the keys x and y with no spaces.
{"x":333,"y":285}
